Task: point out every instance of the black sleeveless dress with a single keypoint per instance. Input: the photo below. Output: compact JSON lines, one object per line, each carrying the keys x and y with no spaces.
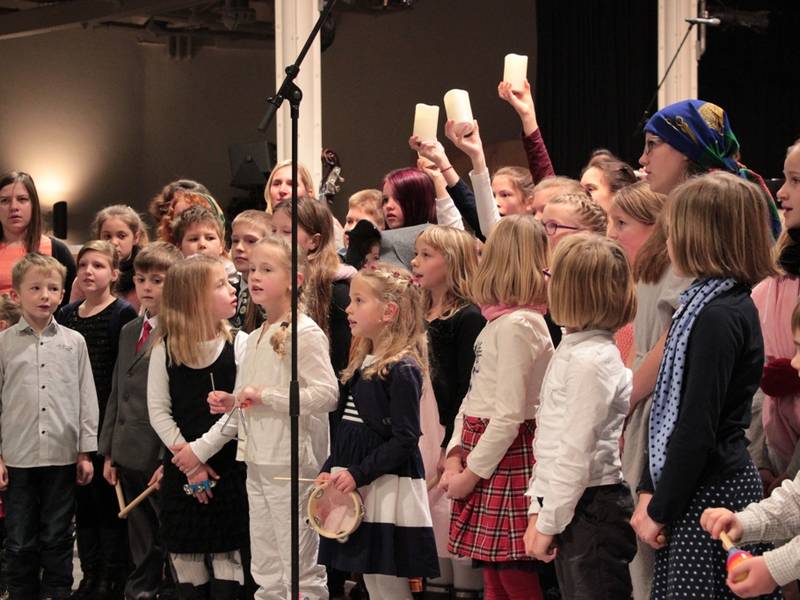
{"x":188,"y":527}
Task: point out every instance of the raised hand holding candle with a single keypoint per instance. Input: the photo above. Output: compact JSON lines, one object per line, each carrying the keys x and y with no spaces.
{"x":426,"y":122}
{"x":458,"y":108}
{"x":516,"y":71}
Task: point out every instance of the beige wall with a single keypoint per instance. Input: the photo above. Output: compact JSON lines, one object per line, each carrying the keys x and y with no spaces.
{"x":98,"y":118}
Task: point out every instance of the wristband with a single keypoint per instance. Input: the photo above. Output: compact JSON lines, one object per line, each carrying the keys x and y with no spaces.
{"x":447,"y":169}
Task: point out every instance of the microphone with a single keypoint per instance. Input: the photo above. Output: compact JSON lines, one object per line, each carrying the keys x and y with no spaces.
{"x":711,"y":22}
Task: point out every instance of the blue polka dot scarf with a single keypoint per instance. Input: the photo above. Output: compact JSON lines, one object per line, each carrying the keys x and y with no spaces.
{"x":667,"y":395}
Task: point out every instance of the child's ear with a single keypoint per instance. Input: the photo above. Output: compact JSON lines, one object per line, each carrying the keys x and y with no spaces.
{"x":300,"y":279}
{"x":314,"y":243}
{"x":14,"y":296}
{"x":390,"y":310}
{"x":114,"y":274}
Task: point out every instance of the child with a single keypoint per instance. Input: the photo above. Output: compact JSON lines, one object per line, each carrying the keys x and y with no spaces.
{"x":445,"y":263}
{"x":263,"y":389}
{"x":364,"y":205}
{"x":48,"y":431}
{"x":774,"y":519}
{"x":10,"y":312}
{"x":775,"y":298}
{"x":247,"y":228}
{"x":604,"y":176}
{"x":124,"y":228}
{"x":183,"y":199}
{"x":377,"y":449}
{"x":568,"y":214}
{"x":579,"y":502}
{"x":127,"y":441}
{"x":490,"y":457}
{"x":191,"y":356}
{"x":199,"y":231}
{"x":719,"y":234}
{"x":327,"y":281}
{"x":102,"y":546}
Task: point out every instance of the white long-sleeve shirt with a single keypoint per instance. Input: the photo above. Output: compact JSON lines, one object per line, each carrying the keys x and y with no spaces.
{"x":585,"y":397}
{"x":485,"y":203}
{"x":447,"y":214}
{"x":776,"y":519}
{"x":267,"y":441}
{"x":511,"y":356}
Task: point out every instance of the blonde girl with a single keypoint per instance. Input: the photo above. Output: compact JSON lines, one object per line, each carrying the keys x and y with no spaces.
{"x":262,"y":390}
{"x":719,"y":234}
{"x":376,"y":450}
{"x":489,"y":456}
{"x":192,"y":355}
{"x":99,"y":317}
{"x":578,"y":498}
{"x":247,"y":228}
{"x":125,"y":229}
{"x":568,"y":214}
{"x":446,"y":261}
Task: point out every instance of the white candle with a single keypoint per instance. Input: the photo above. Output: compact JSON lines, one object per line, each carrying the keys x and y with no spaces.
{"x":457,"y":106}
{"x":426,"y":122}
{"x":516,"y":71}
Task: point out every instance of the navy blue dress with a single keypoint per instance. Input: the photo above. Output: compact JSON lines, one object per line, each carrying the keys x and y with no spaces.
{"x":378,"y":442}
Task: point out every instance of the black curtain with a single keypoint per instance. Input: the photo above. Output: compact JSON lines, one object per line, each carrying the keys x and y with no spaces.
{"x":754,"y":74}
{"x":596,"y":72}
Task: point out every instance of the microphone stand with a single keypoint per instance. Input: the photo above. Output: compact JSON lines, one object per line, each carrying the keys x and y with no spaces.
{"x":289,"y":91}
{"x":646,"y":114}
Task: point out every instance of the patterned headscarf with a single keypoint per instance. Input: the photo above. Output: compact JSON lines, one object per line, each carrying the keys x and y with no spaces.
{"x":701,"y":131}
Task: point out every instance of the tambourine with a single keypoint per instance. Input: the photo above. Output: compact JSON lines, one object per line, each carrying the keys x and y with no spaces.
{"x":333,"y":514}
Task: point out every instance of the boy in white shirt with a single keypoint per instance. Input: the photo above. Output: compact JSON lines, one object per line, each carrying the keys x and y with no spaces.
{"x":48,"y":425}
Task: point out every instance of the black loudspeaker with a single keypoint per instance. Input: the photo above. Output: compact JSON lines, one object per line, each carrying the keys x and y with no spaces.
{"x":250,"y":164}
{"x":60,"y":220}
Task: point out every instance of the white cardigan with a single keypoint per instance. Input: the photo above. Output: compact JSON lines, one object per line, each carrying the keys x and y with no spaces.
{"x":511,"y":356}
{"x":585,"y":397}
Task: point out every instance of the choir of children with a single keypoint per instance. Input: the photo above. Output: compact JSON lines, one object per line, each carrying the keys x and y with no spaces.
{"x":545,"y":439}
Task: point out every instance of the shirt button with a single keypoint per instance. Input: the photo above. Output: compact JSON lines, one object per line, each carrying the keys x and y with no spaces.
{"x":42,"y":387}
{"x":42,"y":432}
{"x":42,"y":365}
{"x":44,"y":409}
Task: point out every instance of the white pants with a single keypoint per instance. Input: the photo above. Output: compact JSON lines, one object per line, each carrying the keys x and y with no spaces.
{"x":388,"y":587}
{"x":270,"y":538}
{"x":191,"y":568}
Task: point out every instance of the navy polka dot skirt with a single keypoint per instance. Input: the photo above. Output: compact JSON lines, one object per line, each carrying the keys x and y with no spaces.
{"x":693,"y":564}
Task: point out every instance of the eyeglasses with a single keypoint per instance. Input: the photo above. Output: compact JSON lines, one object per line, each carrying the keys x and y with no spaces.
{"x":651,"y":144}
{"x":551,"y":227}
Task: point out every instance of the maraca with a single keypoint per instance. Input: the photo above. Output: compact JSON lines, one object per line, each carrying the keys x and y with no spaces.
{"x":735,"y":556}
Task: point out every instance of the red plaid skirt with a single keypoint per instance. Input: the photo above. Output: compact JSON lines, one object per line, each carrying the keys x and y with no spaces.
{"x":490,"y":524}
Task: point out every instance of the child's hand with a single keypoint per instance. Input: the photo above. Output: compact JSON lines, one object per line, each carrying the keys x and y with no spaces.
{"x":220,"y":402}
{"x":84,"y":469}
{"x":543,"y":547}
{"x":3,"y":475}
{"x":322,"y":478}
{"x":717,"y":520}
{"x":249,"y":396}
{"x":530,"y":534}
{"x":157,"y":476}
{"x":520,"y":101}
{"x":469,"y":142}
{"x":650,"y":532}
{"x":460,"y":485}
{"x":432,"y":150}
{"x":343,"y":481}
{"x":185,"y":458}
{"x":109,"y":472}
{"x":758,"y":580}
{"x":205,"y":472}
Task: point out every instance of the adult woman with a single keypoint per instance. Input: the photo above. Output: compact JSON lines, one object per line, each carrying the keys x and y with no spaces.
{"x":21,"y":229}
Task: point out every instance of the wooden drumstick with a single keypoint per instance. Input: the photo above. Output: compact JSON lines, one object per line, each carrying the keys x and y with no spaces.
{"x":138,"y":500}
{"x":120,"y":496}
{"x":298,"y":479}
{"x":727,"y":543}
